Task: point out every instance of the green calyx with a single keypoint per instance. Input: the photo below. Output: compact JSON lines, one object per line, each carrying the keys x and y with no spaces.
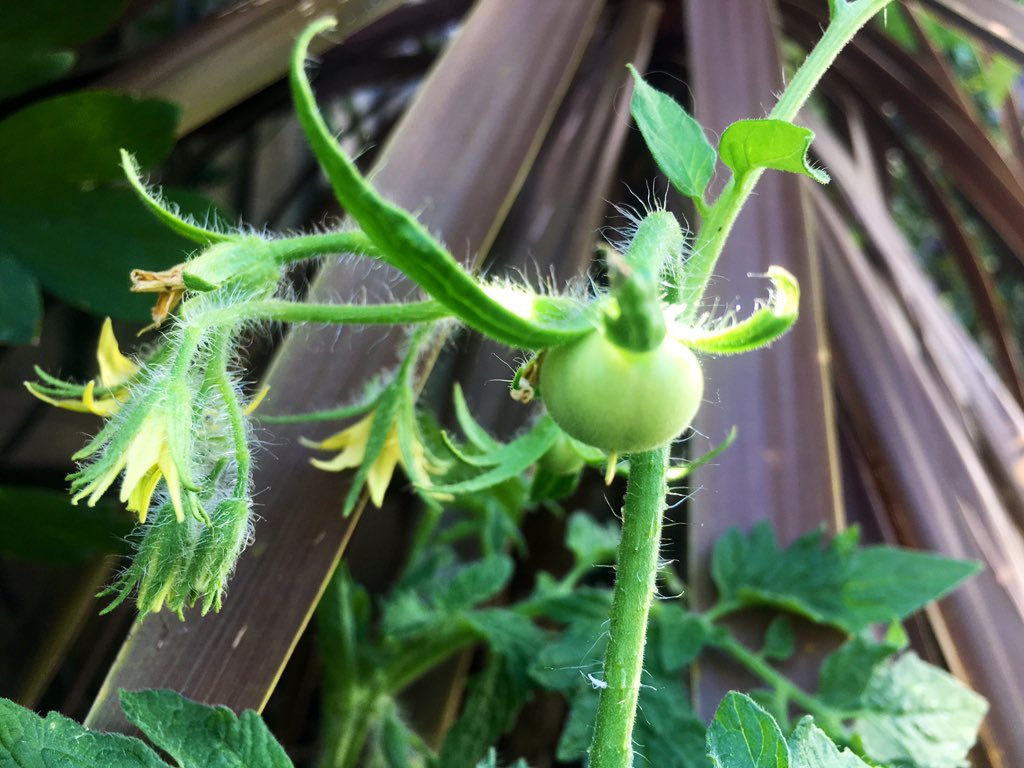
{"x":635,"y":319}
{"x":246,"y":262}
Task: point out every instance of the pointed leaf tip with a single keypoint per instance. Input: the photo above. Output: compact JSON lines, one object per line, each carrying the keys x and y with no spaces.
{"x":747,"y":145}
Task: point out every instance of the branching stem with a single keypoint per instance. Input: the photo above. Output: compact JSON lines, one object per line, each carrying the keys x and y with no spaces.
{"x":848,"y":18}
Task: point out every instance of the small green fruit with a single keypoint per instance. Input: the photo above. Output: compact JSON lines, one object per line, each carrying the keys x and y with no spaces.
{"x":618,"y":400}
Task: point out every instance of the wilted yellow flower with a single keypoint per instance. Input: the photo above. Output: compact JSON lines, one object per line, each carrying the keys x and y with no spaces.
{"x":145,"y":461}
{"x":351,"y":443}
{"x":115,"y":370}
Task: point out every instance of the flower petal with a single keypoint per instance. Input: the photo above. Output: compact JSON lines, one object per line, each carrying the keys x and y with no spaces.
{"x":349,"y":458}
{"x":142,"y":454}
{"x":115,"y":368}
{"x":171,"y":477}
{"x":381,"y":471}
{"x":105,"y":406}
{"x":357,"y":434}
{"x":142,"y":493}
{"x":68,"y":405}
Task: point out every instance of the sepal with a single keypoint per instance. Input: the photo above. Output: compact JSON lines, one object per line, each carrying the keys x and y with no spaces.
{"x":768,"y":323}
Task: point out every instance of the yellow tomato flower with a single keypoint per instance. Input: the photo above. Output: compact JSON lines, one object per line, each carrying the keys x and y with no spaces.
{"x":115,"y":370}
{"x":146,"y":460}
{"x":351,"y":443}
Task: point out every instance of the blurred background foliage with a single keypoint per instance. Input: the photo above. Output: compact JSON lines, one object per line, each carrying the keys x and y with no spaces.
{"x":895,"y":405}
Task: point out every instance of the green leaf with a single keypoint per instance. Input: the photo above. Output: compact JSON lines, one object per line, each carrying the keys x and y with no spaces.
{"x":583,"y":603}
{"x":395,"y":742}
{"x":744,"y":735}
{"x":515,"y":458}
{"x":30,"y":741}
{"x":810,"y":748}
{"x":747,"y":145}
{"x":666,"y":732}
{"x":591,"y":542}
{"x":677,"y":636}
{"x":767,"y":324}
{"x":82,"y":245}
{"x":846,"y":672}
{"x":883,"y":584}
{"x":563,"y":665}
{"x":476,"y":434}
{"x":42,"y":525}
{"x":76,"y":139}
{"x":514,"y":317}
{"x":491,"y":704}
{"x":23,"y":68}
{"x":54,"y":23}
{"x":779,"y":639}
{"x":475,"y":583}
{"x":21,"y":305}
{"x":512,"y":636}
{"x":437,"y":589}
{"x":837,"y":584}
{"x":915,"y":715}
{"x":677,"y":141}
{"x":200,"y":735}
{"x":168,"y":211}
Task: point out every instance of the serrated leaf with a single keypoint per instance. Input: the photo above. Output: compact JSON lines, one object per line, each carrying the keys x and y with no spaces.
{"x":563,"y":665}
{"x":810,"y":748}
{"x":21,"y":305}
{"x":581,"y":604}
{"x":918,"y":716}
{"x":201,"y":735}
{"x":512,"y":636}
{"x":676,"y":141}
{"x":747,"y":145}
{"x":846,"y":672}
{"x":884,"y":584}
{"x":475,"y":583}
{"x":74,"y":139}
{"x":492,"y":701}
{"x":743,"y":735}
{"x":836,"y":583}
{"x":767,"y":324}
{"x":677,"y":637}
{"x":30,"y":741}
{"x":591,"y":542}
{"x":42,"y":525}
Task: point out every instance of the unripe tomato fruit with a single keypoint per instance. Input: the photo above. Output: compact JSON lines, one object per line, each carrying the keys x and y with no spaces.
{"x":619,"y":400}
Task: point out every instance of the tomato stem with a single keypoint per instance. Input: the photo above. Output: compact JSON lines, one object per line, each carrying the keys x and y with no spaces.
{"x":719,"y":218}
{"x":631,"y":603}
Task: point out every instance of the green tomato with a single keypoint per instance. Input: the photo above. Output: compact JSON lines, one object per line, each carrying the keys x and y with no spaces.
{"x":618,"y":400}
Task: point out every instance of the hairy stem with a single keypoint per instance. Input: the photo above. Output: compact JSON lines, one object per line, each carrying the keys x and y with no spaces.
{"x":327,"y":314}
{"x":707,"y":247}
{"x":631,"y":604}
{"x":239,"y":436}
